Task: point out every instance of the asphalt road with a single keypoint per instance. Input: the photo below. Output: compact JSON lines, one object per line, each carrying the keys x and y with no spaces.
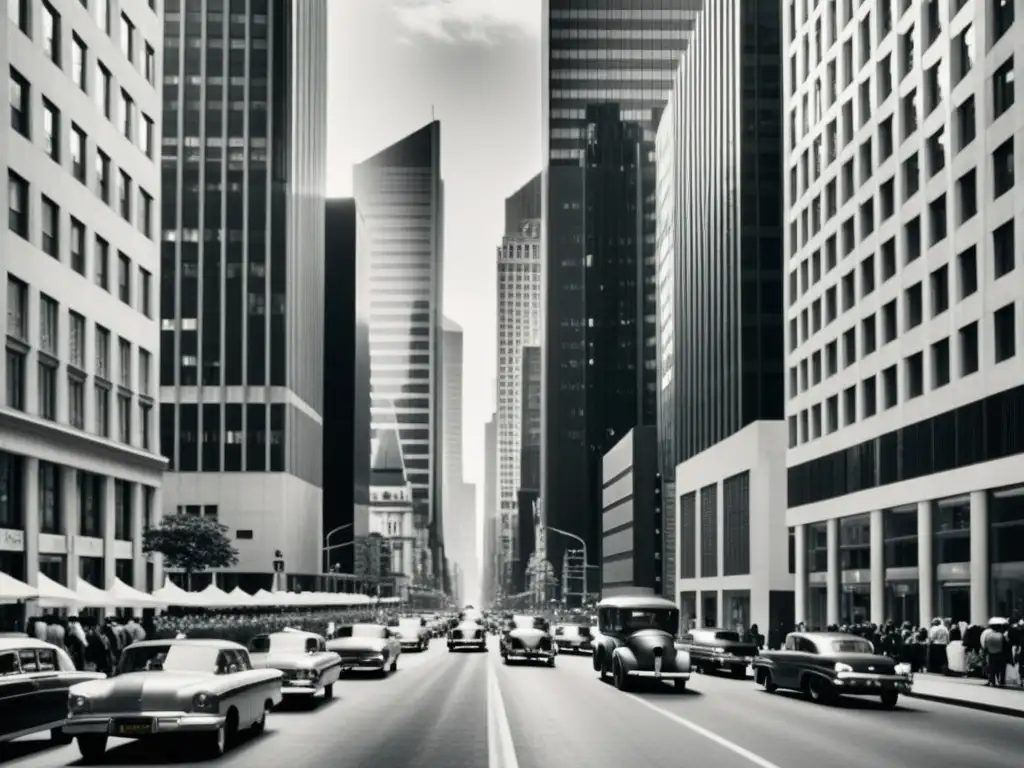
{"x":467,"y":710}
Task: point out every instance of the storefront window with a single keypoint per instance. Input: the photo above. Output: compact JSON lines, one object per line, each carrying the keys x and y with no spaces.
{"x":817,"y":548}
{"x":737,"y":609}
{"x":817,"y":563}
{"x":709,"y":604}
{"x":13,"y":564}
{"x":900,"y":526}
{"x":91,"y":570}
{"x":855,"y":604}
{"x":10,"y":492}
{"x":53,"y":567}
{"x":855,"y":543}
{"x":902,"y":602}
{"x":687,"y":610}
{"x":952,"y":531}
{"x":1006,"y":547}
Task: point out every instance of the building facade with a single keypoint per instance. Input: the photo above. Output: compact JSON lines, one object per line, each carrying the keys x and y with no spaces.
{"x":528,"y":492}
{"x":459,"y":496}
{"x":346,"y":436}
{"x":400,"y":192}
{"x":904,"y":385}
{"x":491,"y":558}
{"x":80,"y":470}
{"x":623,"y":55}
{"x":391,"y":512}
{"x":242,"y":276}
{"x":519,"y":273}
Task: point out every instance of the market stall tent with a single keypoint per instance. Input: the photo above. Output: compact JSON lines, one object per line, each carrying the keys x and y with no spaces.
{"x":130,"y":597}
{"x":12,"y":590}
{"x":54,"y":595}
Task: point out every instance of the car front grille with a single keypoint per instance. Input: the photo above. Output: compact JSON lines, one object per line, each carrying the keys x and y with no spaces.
{"x":545,"y":643}
{"x":456,"y":634}
{"x":478,"y":634}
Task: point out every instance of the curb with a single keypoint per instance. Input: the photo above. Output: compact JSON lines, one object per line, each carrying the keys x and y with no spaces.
{"x":978,"y":706}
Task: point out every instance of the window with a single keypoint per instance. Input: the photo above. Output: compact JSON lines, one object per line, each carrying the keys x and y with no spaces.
{"x":18,"y":11}
{"x":51,"y":33}
{"x":145,"y":214}
{"x":940,"y":363}
{"x":911,"y":176}
{"x":127,"y":38}
{"x":124,"y":278}
{"x":967,"y":199}
{"x":963,"y":53}
{"x":124,"y":194}
{"x":76,"y":400}
{"x":969,"y":349}
{"x":1002,"y":18}
{"x":78,"y":153}
{"x":47,"y":386}
{"x":914,"y":371}
{"x":909,"y":112}
{"x":889,"y":324}
{"x":912,"y":240}
{"x":48,"y":312}
{"x":77,"y":249}
{"x":102,"y":353}
{"x":51,"y":130}
{"x":102,"y":394}
{"x":967,"y":264}
{"x":103,"y":14}
{"x":939,"y":280}
{"x":127,"y":116}
{"x":76,"y":340}
{"x":103,"y":87}
{"x":103,"y":176}
{"x":18,"y":95}
{"x":145,"y":417}
{"x":17,"y":309}
{"x":1005,"y":333}
{"x":966,"y":124}
{"x":935,"y":149}
{"x":17,"y":204}
{"x":1002,"y":89}
{"x":1002,"y":249}
{"x":932,"y":89}
{"x":124,"y":419}
{"x":15,"y":394}
{"x":50,"y":215}
{"x":150,"y":65}
{"x":890,"y":390}
{"x":1002,"y":168}
{"x":914,"y":306}
{"x":145,"y":283}
{"x":122,"y":510}
{"x":79,"y":54}
{"x":145,"y":366}
{"x":869,"y":396}
{"x":49,"y":499}
{"x":124,"y":357}
{"x":101,"y":255}
{"x":937,"y":226}
{"x":146,"y":136}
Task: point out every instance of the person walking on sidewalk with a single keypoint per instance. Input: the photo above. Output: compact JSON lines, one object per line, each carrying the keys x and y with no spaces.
{"x":938,"y":639}
{"x":993,"y":643}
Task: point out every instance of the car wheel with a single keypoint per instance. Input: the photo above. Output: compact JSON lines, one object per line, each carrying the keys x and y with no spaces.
{"x":619,"y":676}
{"x":890,"y":699}
{"x":679,"y":686}
{"x":604,"y":666}
{"x":815,"y":689}
{"x":213,"y":744}
{"x":93,"y":747}
{"x":394,"y":665}
{"x":329,"y":691}
{"x":767,"y":682}
{"x":595,"y":660}
{"x":740,"y":673}
{"x":451,"y":649}
{"x":60,"y":739}
{"x":551,"y":662}
{"x":261,"y":725}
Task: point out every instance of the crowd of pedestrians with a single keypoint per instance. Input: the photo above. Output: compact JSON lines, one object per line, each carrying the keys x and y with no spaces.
{"x":93,"y":644}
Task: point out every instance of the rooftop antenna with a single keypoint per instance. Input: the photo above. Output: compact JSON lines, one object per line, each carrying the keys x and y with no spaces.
{"x":431,"y":113}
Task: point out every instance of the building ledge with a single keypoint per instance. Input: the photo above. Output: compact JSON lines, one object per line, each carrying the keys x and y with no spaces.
{"x":100,"y":447}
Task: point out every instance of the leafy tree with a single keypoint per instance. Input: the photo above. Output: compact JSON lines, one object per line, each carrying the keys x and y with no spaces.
{"x":191,"y":543}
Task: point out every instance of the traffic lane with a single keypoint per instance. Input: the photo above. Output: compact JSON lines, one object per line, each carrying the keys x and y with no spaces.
{"x":566,"y":716}
{"x":787,"y":730}
{"x":370,"y":722}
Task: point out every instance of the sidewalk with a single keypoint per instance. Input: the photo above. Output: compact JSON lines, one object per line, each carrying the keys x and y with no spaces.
{"x":969,"y":692}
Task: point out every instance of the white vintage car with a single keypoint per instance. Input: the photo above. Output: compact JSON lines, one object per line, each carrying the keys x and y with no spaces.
{"x":205,"y":688}
{"x":302,"y":657}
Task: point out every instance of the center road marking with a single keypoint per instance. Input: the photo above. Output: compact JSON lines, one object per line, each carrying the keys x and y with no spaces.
{"x":709,"y":735}
{"x":501,"y":752}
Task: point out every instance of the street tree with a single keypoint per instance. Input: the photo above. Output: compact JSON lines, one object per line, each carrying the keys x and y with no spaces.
{"x":191,"y":543}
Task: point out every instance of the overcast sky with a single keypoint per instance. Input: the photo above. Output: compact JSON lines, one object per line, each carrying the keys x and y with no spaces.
{"x":476,"y":63}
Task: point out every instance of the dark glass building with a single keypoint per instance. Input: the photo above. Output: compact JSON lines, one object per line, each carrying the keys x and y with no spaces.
{"x":608,"y":67}
{"x":242,"y":274}
{"x":528,"y":492}
{"x":346,"y":435}
{"x":401,"y":195}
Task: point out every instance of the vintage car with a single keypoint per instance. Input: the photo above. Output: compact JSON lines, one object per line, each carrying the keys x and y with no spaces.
{"x":637,"y":641}
{"x":718,"y":650}
{"x":207,"y":689}
{"x":528,"y":638}
{"x":413,"y":634}
{"x":467,"y":633}
{"x":302,"y":657}
{"x":366,"y":648}
{"x":826,"y":665}
{"x":34,"y":681}
{"x":573,"y":638}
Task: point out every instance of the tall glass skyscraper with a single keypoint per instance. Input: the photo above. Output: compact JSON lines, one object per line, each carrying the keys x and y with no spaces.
{"x":608,"y":66}
{"x":400,"y":192}
{"x":242,"y":275}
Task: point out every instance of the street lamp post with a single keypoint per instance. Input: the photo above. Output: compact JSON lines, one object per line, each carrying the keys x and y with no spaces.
{"x":585,"y":559}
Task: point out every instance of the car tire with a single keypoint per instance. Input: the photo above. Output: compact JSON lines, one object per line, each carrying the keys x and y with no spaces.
{"x":740,"y":673}
{"x":890,"y":699}
{"x":679,"y":686}
{"x":451,"y":649}
{"x":551,"y":662}
{"x":213,"y":744}
{"x":595,"y":660}
{"x":619,"y":676}
{"x":92,"y":746}
{"x":60,"y":739}
{"x":261,"y":724}
{"x":329,"y":691}
{"x":604,"y":666}
{"x":767,"y":682}
{"x":815,"y":690}
{"x":394,"y":665}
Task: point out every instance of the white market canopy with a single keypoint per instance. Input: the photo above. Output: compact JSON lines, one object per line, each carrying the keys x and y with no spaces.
{"x":171,"y":594}
{"x":130,"y":597}
{"x":215,"y":597}
{"x":241,"y":597}
{"x":94,"y":597}
{"x":54,"y":595}
{"x":12,"y":590}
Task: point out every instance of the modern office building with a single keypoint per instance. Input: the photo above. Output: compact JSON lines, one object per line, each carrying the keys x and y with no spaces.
{"x":491,"y":560}
{"x":80,"y":470}
{"x":346,"y":411}
{"x":242,"y":277}
{"x":518,"y":325}
{"x":528,"y":490}
{"x":904,"y":302}
{"x":721,"y":337}
{"x":400,"y":192}
{"x":611,"y":67}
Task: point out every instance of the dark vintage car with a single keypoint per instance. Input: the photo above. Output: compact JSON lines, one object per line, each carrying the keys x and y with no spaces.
{"x":718,"y":650}
{"x":528,"y":638}
{"x":302,"y":657}
{"x":468,"y":632}
{"x":636,"y":640}
{"x":366,"y":648}
{"x":825,"y":665}
{"x":573,"y":638}
{"x":34,"y":681}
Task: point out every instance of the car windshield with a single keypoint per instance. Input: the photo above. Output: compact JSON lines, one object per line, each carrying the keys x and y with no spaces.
{"x":178,"y":657}
{"x":728,"y":635}
{"x":652,"y":618}
{"x":373,"y":631}
{"x":852,"y":645}
{"x":530,"y":622}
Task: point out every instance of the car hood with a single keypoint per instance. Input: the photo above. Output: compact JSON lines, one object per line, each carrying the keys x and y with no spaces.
{"x":867,"y":662}
{"x":281,"y":660}
{"x":647,"y":643}
{"x":528,"y":637}
{"x":136,"y":691}
{"x":350,"y":644}
{"x":410,"y":633}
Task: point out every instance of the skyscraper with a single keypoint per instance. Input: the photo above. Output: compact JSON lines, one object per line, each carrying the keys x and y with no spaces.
{"x":242,"y":275}
{"x":400,"y":192}
{"x":528,"y":488}
{"x":606,"y":74}
{"x":491,"y":557}
{"x":460,"y":506}
{"x":518,"y":325}
{"x":346,"y":434}
{"x":79,"y":261}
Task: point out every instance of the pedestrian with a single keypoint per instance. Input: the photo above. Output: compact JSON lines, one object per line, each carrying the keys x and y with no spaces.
{"x":993,"y":643}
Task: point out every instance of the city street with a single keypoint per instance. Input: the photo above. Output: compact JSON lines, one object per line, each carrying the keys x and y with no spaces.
{"x":442,"y":709}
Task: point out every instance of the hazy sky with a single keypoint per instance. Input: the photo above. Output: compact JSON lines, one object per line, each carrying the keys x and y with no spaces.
{"x":477,"y":63}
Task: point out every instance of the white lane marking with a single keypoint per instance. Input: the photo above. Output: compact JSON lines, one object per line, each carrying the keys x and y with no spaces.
{"x":709,"y":735}
{"x":501,"y":752}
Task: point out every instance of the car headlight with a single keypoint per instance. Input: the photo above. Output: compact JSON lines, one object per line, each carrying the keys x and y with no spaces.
{"x":842,"y":667}
{"x":77,"y":704}
{"x":204,"y":702}
{"x":719,"y":650}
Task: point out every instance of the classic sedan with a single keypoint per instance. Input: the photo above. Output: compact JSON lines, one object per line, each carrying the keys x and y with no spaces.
{"x":207,"y":689}
{"x":34,"y":681}
{"x":413,"y":634}
{"x":573,"y":638}
{"x":366,"y":648}
{"x":467,"y":633}
{"x":826,"y":665}
{"x":718,"y":650}
{"x":528,"y":638}
{"x":637,"y":641}
{"x":302,"y":657}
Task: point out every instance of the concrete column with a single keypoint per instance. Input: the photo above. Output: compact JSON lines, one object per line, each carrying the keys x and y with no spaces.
{"x":158,"y":514}
{"x":980,"y":607}
{"x":877,"y":567}
{"x":800,"y":581}
{"x":69,"y":516}
{"x":925,"y":563}
{"x":107,"y":506}
{"x":833,"y":584}
{"x":138,"y":497}
{"x":30,"y":516}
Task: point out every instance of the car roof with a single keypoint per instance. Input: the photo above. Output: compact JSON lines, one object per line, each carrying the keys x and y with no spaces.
{"x":636,"y":601}
{"x":222,"y":645}
{"x":292,"y":632}
{"x":826,"y":636}
{"x":365,"y":624}
{"x":22,"y":641}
